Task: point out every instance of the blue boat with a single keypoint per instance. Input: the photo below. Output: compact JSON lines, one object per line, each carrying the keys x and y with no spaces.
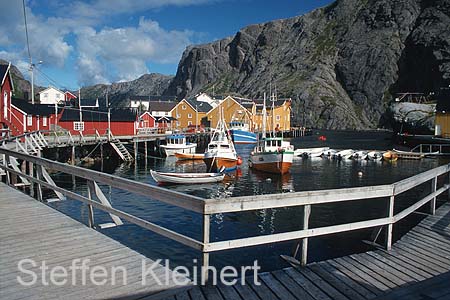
{"x":241,"y":134}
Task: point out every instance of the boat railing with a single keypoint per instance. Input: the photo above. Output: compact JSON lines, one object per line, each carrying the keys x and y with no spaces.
{"x":436,"y":178}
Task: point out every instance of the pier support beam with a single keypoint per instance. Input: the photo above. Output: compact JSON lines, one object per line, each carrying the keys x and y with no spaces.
{"x":136,"y":150}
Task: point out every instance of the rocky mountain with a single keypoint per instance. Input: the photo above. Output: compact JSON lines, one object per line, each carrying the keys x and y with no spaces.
{"x":341,"y":64}
{"x":148,"y":84}
{"x":21,"y":85}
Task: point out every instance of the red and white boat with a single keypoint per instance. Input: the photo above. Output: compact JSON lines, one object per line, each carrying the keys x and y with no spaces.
{"x":271,"y":154}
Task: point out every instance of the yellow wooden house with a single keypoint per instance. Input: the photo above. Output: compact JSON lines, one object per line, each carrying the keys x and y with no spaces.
{"x":231,"y":109}
{"x":442,"y":120}
{"x":278,"y":115}
{"x":189,"y":112}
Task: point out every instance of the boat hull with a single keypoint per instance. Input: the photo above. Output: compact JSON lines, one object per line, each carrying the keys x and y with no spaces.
{"x":243,"y":137}
{"x":215,"y":164}
{"x":189,"y":156}
{"x":171,"y":150}
{"x":278,"y":163}
{"x":186,"y":178}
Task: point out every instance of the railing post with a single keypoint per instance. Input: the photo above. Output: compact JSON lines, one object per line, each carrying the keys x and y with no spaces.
{"x":90,"y":208}
{"x":205,"y":255}
{"x":390,"y":226}
{"x":6,"y":162}
{"x":306,"y":214}
{"x":31,"y":173}
{"x":433,"y":201}
{"x":39,"y":176}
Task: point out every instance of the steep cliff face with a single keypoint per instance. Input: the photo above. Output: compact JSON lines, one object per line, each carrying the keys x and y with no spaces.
{"x":340,"y":64}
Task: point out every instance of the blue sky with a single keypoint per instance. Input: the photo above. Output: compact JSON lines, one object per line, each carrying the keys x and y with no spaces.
{"x":102,"y":41}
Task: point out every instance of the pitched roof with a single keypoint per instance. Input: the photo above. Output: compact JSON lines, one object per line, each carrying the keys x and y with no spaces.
{"x":162,"y":105}
{"x":277,"y":103}
{"x":4,"y":71}
{"x":50,"y":88}
{"x":164,"y":119}
{"x":95,"y":115}
{"x":247,"y":103}
{"x":33,"y":109}
{"x":443,"y":100}
{"x":199,"y":105}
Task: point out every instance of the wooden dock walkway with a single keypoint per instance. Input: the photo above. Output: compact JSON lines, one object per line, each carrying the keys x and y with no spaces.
{"x":31,"y":230}
{"x":417,"y":267}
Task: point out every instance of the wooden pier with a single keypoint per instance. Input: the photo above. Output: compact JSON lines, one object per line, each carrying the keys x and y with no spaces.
{"x":31,"y":230}
{"x":417,"y":267}
{"x":422,"y":254}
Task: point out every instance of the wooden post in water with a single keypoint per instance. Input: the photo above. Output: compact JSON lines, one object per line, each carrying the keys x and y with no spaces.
{"x":205,"y":258}
{"x":135,"y":150}
{"x":433,"y":201}
{"x":72,"y":157}
{"x":390,"y":226}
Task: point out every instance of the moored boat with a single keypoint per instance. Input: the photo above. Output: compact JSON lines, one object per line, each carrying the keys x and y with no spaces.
{"x":186,"y":178}
{"x":189,"y":156}
{"x":221,"y":152}
{"x":241,"y":134}
{"x":311,"y":152}
{"x":176,"y":143}
{"x":271,"y":154}
{"x":390,"y":156}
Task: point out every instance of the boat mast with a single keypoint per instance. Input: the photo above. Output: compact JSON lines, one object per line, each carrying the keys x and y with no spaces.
{"x":273,"y":115}
{"x":264,"y":118}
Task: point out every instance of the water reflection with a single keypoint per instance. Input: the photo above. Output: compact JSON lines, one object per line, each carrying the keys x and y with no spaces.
{"x":305,"y":174}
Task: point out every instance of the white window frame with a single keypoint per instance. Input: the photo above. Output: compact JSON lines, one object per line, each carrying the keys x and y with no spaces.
{"x":29,"y":120}
{"x":183,"y":107}
{"x":44,"y":121}
{"x":78,"y":126}
{"x":278,"y":118}
{"x":189,"y":116}
{"x":189,"y":123}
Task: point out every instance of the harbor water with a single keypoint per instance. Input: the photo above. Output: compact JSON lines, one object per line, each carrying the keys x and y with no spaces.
{"x":305,"y":175}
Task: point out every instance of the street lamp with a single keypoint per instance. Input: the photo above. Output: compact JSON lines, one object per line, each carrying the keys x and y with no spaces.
{"x":32,"y":66}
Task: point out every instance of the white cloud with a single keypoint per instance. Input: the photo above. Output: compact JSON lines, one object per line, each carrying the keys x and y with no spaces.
{"x":127,"y":50}
{"x":101,"y":54}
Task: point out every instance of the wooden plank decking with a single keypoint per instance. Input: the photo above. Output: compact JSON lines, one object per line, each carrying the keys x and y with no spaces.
{"x":417,"y":268}
{"x":31,"y":230}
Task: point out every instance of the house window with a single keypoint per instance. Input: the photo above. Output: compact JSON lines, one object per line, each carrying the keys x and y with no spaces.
{"x":178,"y":116}
{"x":44,"y":121}
{"x":190,"y":116}
{"x":78,"y":126}
{"x":29,"y":120}
{"x":189,"y":123}
{"x":278,"y":118}
{"x":45,"y":95}
{"x":183,"y":107}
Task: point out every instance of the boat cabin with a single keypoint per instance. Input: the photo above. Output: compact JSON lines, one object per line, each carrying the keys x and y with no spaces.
{"x":271,"y":144}
{"x":176,"y":139}
{"x":239,"y":125}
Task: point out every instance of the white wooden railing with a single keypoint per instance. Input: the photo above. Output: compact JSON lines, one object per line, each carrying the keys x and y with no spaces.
{"x":208,"y":207}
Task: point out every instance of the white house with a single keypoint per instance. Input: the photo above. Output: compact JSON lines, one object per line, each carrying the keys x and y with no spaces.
{"x":137,"y":103}
{"x":51,"y":95}
{"x":203,"y":97}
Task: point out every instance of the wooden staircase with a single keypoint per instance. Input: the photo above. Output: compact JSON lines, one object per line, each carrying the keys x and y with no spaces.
{"x":121,"y":150}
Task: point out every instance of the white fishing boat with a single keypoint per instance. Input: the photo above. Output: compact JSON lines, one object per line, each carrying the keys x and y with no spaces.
{"x":359,"y":155}
{"x":186,"y":178}
{"x":330,"y":153}
{"x":311,"y":152}
{"x":271,"y":154}
{"x":345,"y":153}
{"x":176,"y":143}
{"x":221,"y":152}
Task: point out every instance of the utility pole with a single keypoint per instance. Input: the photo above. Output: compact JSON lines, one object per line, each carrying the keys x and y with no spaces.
{"x":109,"y":116}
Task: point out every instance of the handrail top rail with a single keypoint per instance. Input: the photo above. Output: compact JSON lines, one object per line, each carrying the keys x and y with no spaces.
{"x":175,"y":198}
{"x":244,"y":203}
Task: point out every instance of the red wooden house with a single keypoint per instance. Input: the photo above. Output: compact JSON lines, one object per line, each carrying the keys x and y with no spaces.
{"x":122,"y":121}
{"x":27,"y":117}
{"x":6,"y":91}
{"x":68,"y":96}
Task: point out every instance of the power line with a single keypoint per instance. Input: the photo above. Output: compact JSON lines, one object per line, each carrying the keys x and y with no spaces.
{"x":26,"y":30}
{"x":50,"y":79}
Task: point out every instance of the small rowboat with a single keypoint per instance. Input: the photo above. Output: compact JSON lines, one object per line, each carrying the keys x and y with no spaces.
{"x":189,"y":156}
{"x":186,"y":178}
